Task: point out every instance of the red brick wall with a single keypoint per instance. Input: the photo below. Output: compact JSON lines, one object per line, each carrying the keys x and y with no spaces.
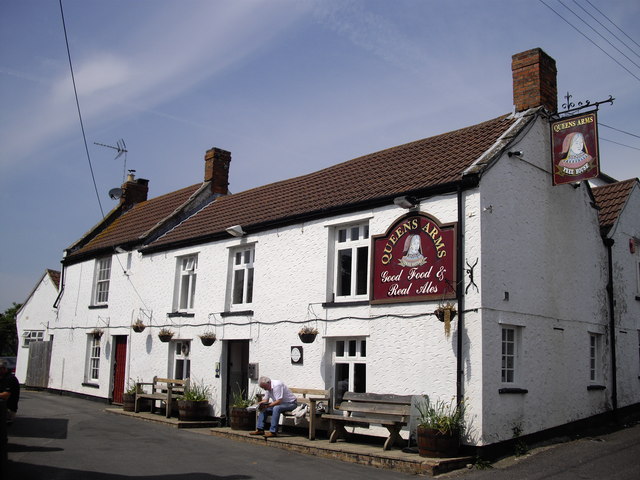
{"x":534,"y":80}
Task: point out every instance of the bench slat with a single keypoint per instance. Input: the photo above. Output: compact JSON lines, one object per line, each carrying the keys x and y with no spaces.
{"x":378,"y":408}
{"x":378,"y":398}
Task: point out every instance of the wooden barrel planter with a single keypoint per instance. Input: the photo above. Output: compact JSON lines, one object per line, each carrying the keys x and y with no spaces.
{"x":432,"y":443}
{"x":128,"y":402}
{"x":193,"y":409}
{"x":242,"y":419}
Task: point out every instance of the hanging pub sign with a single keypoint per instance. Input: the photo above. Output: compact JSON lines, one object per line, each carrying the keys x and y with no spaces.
{"x":415,"y":260}
{"x":574,"y":148}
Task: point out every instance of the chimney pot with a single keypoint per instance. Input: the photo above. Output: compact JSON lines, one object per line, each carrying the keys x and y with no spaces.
{"x":534,"y":80}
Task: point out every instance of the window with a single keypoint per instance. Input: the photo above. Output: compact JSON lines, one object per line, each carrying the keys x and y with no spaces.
{"x":349,"y":367}
{"x":351,"y":262}
{"x":181,"y":361}
{"x":242,"y":276}
{"x":93,"y":359}
{"x":29,"y":336}
{"x":186,"y":273}
{"x":594,"y":357}
{"x":101,"y":281}
{"x":510,"y":354}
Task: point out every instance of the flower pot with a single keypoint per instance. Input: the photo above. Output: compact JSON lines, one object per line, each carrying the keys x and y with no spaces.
{"x":432,"y":443}
{"x":307,"y":337}
{"x":138,"y":328}
{"x":128,"y":402}
{"x":242,"y":419}
{"x":193,"y":409}
{"x":207,"y":341}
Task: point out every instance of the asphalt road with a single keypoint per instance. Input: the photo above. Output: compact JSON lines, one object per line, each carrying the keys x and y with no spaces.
{"x":59,"y":438}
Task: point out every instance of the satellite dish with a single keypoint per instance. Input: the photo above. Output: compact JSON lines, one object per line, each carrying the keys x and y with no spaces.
{"x":115,"y":193}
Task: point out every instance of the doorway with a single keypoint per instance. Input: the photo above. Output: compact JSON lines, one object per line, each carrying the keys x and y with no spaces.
{"x":119,"y":368}
{"x":237,"y":370}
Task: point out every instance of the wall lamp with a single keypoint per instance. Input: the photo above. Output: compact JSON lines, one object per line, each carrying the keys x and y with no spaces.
{"x":515,"y":153}
{"x":405,"y":201}
{"x":236,"y":231}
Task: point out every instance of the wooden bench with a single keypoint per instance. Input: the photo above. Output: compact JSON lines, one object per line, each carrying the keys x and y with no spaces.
{"x":162,"y":389}
{"x":311,"y":397}
{"x":390,"y":411}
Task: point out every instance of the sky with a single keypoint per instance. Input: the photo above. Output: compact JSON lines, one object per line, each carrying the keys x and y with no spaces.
{"x":288,"y":86}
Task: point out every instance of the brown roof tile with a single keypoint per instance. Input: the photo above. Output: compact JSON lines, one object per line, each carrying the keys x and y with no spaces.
{"x":611,"y":199}
{"x":139,"y":219}
{"x":403,"y":169}
{"x":54,"y":275}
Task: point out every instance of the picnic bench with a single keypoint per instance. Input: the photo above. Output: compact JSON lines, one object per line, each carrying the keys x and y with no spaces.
{"x":162,"y":389}
{"x":310,"y":397}
{"x":390,"y":411}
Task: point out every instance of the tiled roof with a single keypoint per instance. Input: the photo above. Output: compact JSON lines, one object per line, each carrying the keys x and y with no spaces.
{"x":54,"y":275}
{"x":399,"y":170}
{"x":139,"y":219}
{"x":611,"y":199}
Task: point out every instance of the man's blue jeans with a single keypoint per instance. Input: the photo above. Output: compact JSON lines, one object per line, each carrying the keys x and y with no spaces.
{"x":275,"y":413}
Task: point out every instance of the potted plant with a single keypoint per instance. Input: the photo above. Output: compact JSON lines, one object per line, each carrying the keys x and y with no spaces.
{"x":97,"y":332}
{"x":129,"y":397}
{"x":439,"y":429}
{"x":193,"y":404}
{"x":446,"y":313}
{"x":165,"y":334}
{"x":241,"y":417}
{"x":138,"y":326}
{"x":207,"y":338}
{"x":307,"y":334}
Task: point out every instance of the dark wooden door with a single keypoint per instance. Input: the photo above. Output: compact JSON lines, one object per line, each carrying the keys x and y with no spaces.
{"x":119,"y":368}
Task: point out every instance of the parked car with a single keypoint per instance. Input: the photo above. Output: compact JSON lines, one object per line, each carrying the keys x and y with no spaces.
{"x":11,"y":363}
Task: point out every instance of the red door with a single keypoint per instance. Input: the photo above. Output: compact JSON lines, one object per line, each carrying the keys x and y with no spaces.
{"x":119,"y":368}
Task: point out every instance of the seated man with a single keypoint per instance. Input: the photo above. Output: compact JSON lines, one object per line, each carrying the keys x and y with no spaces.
{"x":278,"y":399}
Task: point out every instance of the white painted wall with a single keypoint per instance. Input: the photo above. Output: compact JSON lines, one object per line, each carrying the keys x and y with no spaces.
{"x":36,"y":313}
{"x":540,"y":244}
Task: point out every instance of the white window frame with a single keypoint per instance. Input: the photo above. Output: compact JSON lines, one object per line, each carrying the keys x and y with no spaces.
{"x":595,"y":357}
{"x":242,"y":276}
{"x":186,"y":282}
{"x":179,"y":359}
{"x":101,"y":281}
{"x":352,"y":353}
{"x":29,"y":336}
{"x":94,"y":349}
{"x":510,"y":355}
{"x":354,"y":284}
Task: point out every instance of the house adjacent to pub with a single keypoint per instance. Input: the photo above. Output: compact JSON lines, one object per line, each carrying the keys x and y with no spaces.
{"x":463,"y":265}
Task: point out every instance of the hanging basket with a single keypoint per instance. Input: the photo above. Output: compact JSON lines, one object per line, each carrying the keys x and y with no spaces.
{"x":138,"y":327}
{"x":165,"y":335}
{"x":307,"y":337}
{"x":207,"y":340}
{"x":97,"y":333}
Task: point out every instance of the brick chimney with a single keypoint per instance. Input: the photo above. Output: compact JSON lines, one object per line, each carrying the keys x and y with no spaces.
{"x":134,"y":190}
{"x":216,"y":170}
{"x":534,"y":80}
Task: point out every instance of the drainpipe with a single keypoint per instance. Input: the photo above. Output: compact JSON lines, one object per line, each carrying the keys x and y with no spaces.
{"x":61,"y":289}
{"x":459,"y":295}
{"x":612,"y":328}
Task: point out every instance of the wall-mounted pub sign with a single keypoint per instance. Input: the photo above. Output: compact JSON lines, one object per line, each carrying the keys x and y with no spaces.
{"x":414,"y":260}
{"x":574,"y":148}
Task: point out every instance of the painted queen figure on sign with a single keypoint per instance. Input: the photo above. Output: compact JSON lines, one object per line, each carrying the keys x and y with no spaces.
{"x":574,"y":151}
{"x":412,"y":252}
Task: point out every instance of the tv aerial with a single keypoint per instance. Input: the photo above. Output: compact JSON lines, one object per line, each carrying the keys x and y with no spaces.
{"x":121,"y":148}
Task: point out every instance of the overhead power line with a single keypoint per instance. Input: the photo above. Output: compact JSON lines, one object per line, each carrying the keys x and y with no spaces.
{"x":612,"y":23}
{"x":604,"y":26}
{"x":75,"y":91}
{"x":590,"y":40}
